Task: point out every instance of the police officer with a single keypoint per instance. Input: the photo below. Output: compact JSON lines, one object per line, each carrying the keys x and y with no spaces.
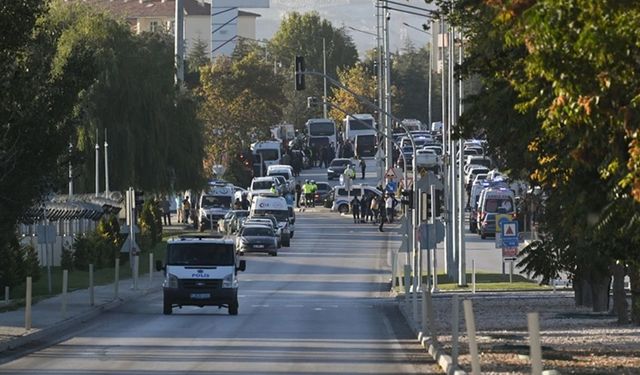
{"x":273,"y":189}
{"x":307,"y":190}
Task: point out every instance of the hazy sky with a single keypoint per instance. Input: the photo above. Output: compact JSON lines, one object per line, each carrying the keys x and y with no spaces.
{"x":360,"y":14}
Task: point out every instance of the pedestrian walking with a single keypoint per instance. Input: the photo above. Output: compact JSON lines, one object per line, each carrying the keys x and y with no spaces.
{"x":363,"y":167}
{"x":355,"y":209}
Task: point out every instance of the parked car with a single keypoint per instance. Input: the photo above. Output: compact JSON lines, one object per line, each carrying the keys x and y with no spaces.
{"x":323,"y":191}
{"x":337,"y":167}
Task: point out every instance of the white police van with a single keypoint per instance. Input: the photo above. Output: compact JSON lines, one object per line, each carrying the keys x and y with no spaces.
{"x":201,"y":271}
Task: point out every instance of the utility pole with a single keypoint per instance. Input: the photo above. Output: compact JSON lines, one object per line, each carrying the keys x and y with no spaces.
{"x":379,"y":74}
{"x":388,"y":163}
{"x":106,"y":166}
{"x":97,"y":166}
{"x":70,"y":171}
{"x":324,"y":71}
{"x":179,"y":41}
{"x":462,"y":264}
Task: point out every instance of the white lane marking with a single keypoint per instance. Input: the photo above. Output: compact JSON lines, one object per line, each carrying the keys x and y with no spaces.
{"x":294,"y":306}
{"x":259,"y":305}
{"x":318,"y":309}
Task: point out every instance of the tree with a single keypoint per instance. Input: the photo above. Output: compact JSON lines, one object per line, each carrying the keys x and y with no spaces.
{"x":358,"y":80}
{"x":302,"y":34}
{"x":197,"y":57}
{"x":241,"y":99}
{"x":565,"y":66}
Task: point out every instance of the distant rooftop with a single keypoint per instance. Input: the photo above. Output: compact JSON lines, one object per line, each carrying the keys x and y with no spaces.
{"x":154,"y":8}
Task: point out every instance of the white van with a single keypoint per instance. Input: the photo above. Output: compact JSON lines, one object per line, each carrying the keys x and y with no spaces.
{"x":494,"y":201}
{"x":285,"y":171}
{"x":262,"y":185}
{"x":200,"y":271}
{"x":276,"y":206}
{"x":214,"y":204}
{"x":270,"y":151}
{"x":342,"y":198}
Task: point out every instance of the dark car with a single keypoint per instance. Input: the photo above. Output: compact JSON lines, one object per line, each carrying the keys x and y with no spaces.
{"x":337,"y":167}
{"x":257,"y":238}
{"x":322,"y":193}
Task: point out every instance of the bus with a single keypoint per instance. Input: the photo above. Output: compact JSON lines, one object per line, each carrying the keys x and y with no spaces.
{"x":321,"y":131}
{"x":359,"y":124}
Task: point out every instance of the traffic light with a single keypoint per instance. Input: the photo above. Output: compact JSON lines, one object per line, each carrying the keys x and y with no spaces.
{"x":407,"y":198}
{"x":299,"y":85}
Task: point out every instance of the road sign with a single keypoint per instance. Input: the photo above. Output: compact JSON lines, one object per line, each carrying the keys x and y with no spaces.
{"x":500,"y":218}
{"x":509,"y":253}
{"x":431,"y":234}
{"x":393,"y":174}
{"x":46,"y":233}
{"x":509,"y":233}
{"x":429,"y":179}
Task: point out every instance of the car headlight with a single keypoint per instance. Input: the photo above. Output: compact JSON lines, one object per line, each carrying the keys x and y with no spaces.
{"x":229,"y":281}
{"x":330,"y":170}
{"x":170,"y":281}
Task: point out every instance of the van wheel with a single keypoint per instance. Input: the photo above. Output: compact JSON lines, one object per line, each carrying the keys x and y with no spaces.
{"x":233,"y":308}
{"x":273,"y":253}
{"x":343,"y":209}
{"x":167,"y":309}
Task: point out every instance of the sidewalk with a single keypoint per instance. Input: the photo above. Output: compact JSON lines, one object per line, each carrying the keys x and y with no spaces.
{"x":48,"y":318}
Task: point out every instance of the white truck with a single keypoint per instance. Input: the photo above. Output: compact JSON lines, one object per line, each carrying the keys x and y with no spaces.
{"x":200,"y":271}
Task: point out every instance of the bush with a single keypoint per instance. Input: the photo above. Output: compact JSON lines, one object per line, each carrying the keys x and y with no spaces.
{"x":150,"y":224}
{"x":66,"y":259}
{"x":31,"y":263}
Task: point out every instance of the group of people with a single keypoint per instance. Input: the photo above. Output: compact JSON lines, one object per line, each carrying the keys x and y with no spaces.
{"x":322,"y":156}
{"x":374,"y":209}
{"x":309,"y":189}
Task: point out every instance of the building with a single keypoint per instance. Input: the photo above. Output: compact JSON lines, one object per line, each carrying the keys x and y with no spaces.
{"x":156,"y":15}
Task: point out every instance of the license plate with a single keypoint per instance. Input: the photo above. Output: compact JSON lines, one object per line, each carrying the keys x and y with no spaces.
{"x":200,"y":295}
{"x":258,"y":246}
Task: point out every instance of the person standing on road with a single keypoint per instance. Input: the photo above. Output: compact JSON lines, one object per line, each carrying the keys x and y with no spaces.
{"x":314,"y":188}
{"x":244,"y":201}
{"x":388,"y":204}
{"x":383,"y":215}
{"x":307,"y":191}
{"x":165,"y":206}
{"x":237,"y":205}
{"x":355,"y":209}
{"x":373,"y":209}
{"x":363,"y":167}
{"x":298,"y":189}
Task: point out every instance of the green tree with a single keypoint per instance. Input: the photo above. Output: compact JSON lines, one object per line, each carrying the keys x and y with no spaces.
{"x":241,"y":99}
{"x":302,"y":34}
{"x":197,"y":57}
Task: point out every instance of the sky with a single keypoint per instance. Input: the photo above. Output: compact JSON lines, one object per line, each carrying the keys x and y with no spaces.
{"x":359,"y":14}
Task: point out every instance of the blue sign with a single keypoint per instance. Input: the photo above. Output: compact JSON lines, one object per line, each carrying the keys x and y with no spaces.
{"x":510,"y":242}
{"x":391,"y":186}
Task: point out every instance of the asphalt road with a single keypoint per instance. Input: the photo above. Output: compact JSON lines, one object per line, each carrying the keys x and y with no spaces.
{"x":319,"y":307}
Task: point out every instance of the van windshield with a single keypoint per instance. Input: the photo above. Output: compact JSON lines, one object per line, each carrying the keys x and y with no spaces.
{"x":262,"y":185}
{"x":279,"y":173}
{"x":200,"y":254}
{"x":497,"y":205}
{"x":211,"y":201}
{"x":268,"y":154}
{"x":281,"y":215}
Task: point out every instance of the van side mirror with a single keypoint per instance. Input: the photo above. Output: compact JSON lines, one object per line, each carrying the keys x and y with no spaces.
{"x":243,"y":265}
{"x":159,"y":266}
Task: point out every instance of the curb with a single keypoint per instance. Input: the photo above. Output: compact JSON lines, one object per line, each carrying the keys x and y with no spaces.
{"x":433,"y":348}
{"x":65,"y":324}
